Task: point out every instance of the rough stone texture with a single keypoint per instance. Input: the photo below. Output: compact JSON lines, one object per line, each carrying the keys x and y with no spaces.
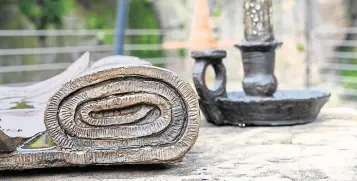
{"x":321,"y":151}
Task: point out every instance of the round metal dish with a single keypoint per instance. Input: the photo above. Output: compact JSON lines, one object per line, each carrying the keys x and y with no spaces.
{"x":283,"y":108}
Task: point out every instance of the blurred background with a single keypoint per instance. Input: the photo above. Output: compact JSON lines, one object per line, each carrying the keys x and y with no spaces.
{"x":41,"y":38}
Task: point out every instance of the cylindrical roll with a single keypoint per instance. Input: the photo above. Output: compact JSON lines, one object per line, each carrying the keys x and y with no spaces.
{"x":127,"y":107}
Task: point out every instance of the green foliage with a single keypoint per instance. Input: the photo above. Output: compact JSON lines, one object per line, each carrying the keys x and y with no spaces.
{"x":22,"y":105}
{"x":217,"y":11}
{"x":101,"y":16}
{"x":349,"y":73}
{"x":182,"y":52}
{"x":300,"y":47}
{"x":44,"y":13}
{"x":43,"y":141}
{"x":142,"y":16}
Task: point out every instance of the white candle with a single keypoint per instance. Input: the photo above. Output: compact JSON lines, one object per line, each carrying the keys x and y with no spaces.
{"x":258,"y":20}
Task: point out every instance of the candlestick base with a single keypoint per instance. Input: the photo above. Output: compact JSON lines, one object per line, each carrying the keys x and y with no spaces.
{"x":283,"y":108}
{"x":240,"y":108}
{"x":258,"y":60}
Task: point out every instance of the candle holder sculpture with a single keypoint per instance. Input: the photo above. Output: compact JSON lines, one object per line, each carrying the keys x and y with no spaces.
{"x":112,"y":114}
{"x":260,"y":103}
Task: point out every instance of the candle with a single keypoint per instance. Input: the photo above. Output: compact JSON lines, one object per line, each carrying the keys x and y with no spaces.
{"x":258,"y":20}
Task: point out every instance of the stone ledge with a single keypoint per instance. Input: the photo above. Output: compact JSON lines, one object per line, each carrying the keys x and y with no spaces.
{"x":324,"y":150}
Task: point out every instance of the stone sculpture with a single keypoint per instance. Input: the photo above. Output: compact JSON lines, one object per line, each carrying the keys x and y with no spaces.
{"x":260,"y":103}
{"x":111,"y":114}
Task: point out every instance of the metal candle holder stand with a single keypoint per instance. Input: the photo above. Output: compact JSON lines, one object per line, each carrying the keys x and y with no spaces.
{"x":260,"y":103}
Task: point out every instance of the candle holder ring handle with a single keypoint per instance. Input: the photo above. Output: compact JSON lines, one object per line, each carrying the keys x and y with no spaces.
{"x":207,"y":96}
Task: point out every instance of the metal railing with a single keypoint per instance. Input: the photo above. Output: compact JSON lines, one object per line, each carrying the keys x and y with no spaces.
{"x":337,"y":59}
{"x":79,"y":32}
{"x":77,"y":49}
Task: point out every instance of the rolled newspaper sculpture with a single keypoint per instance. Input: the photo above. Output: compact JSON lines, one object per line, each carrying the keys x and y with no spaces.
{"x":131,"y":114}
{"x":124,"y":107}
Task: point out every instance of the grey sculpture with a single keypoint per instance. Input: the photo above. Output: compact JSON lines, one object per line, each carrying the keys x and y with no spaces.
{"x":259,"y":104}
{"x":113,"y":114}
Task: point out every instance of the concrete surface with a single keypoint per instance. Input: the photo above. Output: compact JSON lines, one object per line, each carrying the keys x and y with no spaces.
{"x":325,"y":150}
